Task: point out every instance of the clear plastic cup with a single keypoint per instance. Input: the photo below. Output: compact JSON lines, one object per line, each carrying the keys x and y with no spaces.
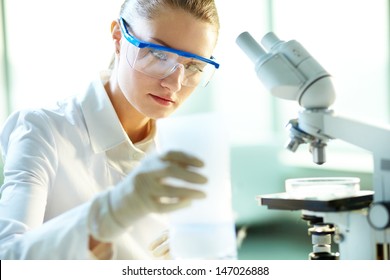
{"x":322,"y":188}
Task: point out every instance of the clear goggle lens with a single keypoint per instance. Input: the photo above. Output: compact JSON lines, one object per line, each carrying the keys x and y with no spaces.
{"x":160,"y":64}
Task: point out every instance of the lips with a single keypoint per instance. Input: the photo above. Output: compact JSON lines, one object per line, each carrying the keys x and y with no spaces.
{"x":165,"y":101}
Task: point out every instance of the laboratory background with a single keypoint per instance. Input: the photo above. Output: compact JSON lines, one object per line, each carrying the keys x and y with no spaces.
{"x":52,"y":49}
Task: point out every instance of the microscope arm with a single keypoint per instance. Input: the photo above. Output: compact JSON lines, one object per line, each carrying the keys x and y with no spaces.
{"x":327,"y":124}
{"x":373,"y":138}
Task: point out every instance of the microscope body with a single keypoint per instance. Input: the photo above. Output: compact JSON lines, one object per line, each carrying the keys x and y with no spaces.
{"x":361,"y":233}
{"x":289,"y":72}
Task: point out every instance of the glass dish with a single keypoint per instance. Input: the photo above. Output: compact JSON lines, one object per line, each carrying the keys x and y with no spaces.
{"x":323,"y":188}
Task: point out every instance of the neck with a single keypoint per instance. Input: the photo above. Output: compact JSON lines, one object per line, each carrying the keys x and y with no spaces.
{"x":136,"y":128}
{"x":136,"y":125}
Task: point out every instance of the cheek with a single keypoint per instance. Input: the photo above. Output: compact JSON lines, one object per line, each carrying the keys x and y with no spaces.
{"x":183,"y":94}
{"x":125,"y":77}
{"x":128,"y":80}
{"x":125,"y":74}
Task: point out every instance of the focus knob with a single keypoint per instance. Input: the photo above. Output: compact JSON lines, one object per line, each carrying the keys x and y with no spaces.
{"x":379,"y":215}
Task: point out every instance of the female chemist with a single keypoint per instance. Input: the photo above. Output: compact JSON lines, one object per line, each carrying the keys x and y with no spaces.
{"x":77,"y":181}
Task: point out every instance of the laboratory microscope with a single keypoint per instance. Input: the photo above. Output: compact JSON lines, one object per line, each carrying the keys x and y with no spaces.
{"x":359,"y":223}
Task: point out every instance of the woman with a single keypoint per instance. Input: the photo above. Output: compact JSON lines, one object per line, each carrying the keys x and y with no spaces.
{"x":77,"y":185}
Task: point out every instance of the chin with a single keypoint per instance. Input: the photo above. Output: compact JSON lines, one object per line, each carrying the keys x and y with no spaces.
{"x":159,"y":115}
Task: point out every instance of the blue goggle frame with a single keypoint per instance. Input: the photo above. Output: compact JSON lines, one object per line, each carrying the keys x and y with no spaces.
{"x":142,"y":44}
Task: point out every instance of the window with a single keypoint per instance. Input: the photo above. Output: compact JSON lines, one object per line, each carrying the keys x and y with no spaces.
{"x":350,"y":39}
{"x":237,"y":91}
{"x":56,"y":48}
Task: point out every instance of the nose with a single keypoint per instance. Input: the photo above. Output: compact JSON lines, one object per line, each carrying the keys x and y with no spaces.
{"x":174,"y":80}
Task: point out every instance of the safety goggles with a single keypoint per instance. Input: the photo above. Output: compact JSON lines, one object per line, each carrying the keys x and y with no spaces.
{"x":159,"y":62}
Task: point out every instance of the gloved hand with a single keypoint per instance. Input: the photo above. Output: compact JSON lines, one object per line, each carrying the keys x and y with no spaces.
{"x":160,"y":246}
{"x":146,"y":190}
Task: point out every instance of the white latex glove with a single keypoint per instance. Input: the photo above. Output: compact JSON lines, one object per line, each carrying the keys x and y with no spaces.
{"x":146,"y":190}
{"x":160,"y":246}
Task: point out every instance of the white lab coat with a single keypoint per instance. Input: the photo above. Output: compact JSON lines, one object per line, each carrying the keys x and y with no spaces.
{"x":56,"y":160}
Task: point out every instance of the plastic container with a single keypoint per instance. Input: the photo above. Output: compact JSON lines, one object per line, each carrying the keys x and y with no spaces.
{"x":206,"y":229}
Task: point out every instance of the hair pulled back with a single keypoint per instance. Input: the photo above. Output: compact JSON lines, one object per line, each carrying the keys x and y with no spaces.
{"x":204,"y":10}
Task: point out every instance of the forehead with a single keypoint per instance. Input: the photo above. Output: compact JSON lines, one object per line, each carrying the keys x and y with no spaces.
{"x":178,"y":29}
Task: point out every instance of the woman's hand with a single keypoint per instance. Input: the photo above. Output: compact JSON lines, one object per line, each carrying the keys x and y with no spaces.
{"x":148,"y":189}
{"x":160,"y":246}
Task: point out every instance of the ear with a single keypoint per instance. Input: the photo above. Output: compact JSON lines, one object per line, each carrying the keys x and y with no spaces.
{"x":116,"y":35}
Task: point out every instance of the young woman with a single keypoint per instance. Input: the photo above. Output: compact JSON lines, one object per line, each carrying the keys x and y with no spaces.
{"x":77,"y":182}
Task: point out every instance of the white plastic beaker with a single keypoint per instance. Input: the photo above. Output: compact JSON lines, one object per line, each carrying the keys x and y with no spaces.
{"x":206,"y":229}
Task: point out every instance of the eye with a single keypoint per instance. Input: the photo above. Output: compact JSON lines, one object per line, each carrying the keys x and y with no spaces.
{"x":160,"y":55}
{"x":194,"y":67}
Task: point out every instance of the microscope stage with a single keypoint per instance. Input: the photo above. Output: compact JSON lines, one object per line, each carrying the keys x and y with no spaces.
{"x":284,"y":201}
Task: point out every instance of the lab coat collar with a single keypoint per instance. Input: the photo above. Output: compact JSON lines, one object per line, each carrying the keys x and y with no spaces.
{"x":104,"y":128}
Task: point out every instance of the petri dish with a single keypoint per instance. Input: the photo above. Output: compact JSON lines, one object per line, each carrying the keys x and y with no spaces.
{"x":322,"y":188}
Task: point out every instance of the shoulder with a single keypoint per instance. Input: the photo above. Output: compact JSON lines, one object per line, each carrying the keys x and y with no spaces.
{"x":28,"y":118}
{"x":59,"y":119}
{"x":26,"y":123}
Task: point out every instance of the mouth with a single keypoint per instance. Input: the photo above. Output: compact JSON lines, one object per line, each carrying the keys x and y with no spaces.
{"x":161,"y":100}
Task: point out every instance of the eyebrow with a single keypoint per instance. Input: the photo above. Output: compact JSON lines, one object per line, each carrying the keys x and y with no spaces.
{"x":161,"y":42}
